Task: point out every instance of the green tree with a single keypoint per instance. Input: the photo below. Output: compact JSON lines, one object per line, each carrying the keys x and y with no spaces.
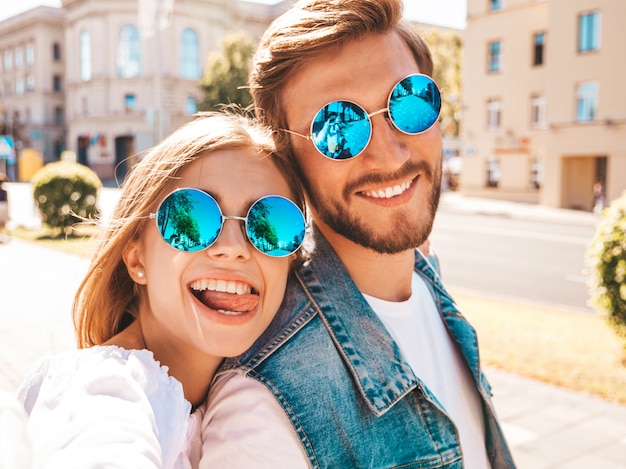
{"x":226,"y":76}
{"x":185,"y":224}
{"x":446,"y":48}
{"x":260,"y":226}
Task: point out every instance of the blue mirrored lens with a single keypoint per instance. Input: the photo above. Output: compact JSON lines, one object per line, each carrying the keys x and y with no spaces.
{"x":414,"y":104}
{"x":275,"y":226}
{"x":189,"y":220}
{"x":341,"y":130}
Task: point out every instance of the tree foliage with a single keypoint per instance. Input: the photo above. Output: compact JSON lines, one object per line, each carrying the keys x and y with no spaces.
{"x":261,"y":227}
{"x":226,"y":77}
{"x":446,"y":49}
{"x":607,"y":260}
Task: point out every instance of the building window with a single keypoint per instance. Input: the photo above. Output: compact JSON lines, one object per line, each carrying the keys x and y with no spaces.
{"x":30,"y":54}
{"x":8,"y":60}
{"x":19,"y":58}
{"x":494,"y":56}
{"x":495,"y":5}
{"x":129,"y":53}
{"x":130,"y":102}
{"x":493,"y":113}
{"x":538,"y":111}
{"x":84,"y":104}
{"x":191,"y":106}
{"x":493,"y":172}
{"x":59,"y":115}
{"x":190,"y":55}
{"x":57,"y":83}
{"x":538,"y":48}
{"x":85,"y":56}
{"x":19,"y":86}
{"x":536,"y":174}
{"x":56,"y":51}
{"x":30,"y":83}
{"x":588,"y":32}
{"x":586,"y":101}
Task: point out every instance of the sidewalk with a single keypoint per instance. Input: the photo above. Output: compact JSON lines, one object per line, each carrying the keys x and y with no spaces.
{"x":547,"y":427}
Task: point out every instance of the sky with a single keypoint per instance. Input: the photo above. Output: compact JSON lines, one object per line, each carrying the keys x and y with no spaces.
{"x":450,"y":13}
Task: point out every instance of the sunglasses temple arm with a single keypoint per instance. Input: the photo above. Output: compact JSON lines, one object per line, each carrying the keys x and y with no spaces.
{"x":296,"y":133}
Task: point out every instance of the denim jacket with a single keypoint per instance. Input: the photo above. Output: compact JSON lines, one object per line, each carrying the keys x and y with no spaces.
{"x":352,"y":399}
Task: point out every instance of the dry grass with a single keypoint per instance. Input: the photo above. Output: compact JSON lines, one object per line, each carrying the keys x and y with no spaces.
{"x":573,"y":350}
{"x":80,"y":241}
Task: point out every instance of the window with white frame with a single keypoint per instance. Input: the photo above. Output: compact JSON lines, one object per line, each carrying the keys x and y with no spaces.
{"x":85,"y":56}
{"x":30,"y":82}
{"x":129,"y":52}
{"x":588,"y":31}
{"x":19,"y":58}
{"x":494,"y":108}
{"x":8,"y":60}
{"x":538,"y":111}
{"x":19,"y":85}
{"x":189,"y":54}
{"x":495,"y":59}
{"x":586,"y":101}
{"x":30,"y":54}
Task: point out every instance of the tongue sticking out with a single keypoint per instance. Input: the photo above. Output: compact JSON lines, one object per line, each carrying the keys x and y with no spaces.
{"x":228,"y":301}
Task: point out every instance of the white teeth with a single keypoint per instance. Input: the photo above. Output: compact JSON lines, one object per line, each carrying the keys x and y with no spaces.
{"x":230,"y":286}
{"x":389,"y":191}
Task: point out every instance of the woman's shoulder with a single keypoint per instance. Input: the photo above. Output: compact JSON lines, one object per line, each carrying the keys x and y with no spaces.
{"x":99,"y":370}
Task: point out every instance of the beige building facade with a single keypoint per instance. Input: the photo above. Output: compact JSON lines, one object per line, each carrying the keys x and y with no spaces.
{"x":544,"y":117}
{"x":32,"y":65}
{"x":113,"y":77}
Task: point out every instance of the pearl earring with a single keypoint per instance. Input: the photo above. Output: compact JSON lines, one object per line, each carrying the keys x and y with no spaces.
{"x":140,"y":274}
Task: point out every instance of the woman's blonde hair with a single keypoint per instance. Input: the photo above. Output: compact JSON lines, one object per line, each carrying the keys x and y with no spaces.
{"x":107,"y":300}
{"x":310,"y":28}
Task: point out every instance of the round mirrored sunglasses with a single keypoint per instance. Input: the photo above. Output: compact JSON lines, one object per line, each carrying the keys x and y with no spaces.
{"x":189,"y":219}
{"x":341,"y":130}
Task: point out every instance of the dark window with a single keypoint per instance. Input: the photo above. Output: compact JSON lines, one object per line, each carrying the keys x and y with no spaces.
{"x":59,"y":115}
{"x":56,"y":51}
{"x":57,"y":83}
{"x":538,"y":49}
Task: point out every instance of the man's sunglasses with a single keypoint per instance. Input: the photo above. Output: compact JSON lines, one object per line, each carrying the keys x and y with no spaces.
{"x":191,"y":220}
{"x":342,"y":129}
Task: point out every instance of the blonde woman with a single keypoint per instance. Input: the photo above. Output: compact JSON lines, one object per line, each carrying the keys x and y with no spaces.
{"x":192,"y":269}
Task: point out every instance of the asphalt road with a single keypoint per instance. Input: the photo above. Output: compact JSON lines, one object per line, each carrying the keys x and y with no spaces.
{"x":541,"y":261}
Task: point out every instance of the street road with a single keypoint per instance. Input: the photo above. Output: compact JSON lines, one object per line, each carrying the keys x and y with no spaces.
{"x":531,"y":260}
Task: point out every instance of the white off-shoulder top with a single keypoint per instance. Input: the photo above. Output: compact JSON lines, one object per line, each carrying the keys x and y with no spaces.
{"x":106,"y":406}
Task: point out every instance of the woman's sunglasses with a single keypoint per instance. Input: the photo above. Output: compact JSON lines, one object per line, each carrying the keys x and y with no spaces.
{"x":342,"y":129}
{"x":191,"y":220}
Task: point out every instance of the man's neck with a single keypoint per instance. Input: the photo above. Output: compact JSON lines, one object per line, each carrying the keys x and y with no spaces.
{"x":384,"y":276}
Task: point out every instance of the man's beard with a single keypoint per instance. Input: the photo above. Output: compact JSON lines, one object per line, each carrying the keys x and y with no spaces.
{"x":402,"y":234}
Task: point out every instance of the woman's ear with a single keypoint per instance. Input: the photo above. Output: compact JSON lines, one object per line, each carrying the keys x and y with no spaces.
{"x":133,"y":258}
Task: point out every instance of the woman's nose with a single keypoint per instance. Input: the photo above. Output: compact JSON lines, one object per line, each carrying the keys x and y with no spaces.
{"x":232,"y":242}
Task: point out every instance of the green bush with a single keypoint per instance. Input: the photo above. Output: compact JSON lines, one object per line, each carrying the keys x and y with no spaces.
{"x":65,"y":193}
{"x":607,"y":260}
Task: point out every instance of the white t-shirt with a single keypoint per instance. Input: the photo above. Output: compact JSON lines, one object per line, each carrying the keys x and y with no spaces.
{"x":238,"y":407}
{"x":420,"y":332}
